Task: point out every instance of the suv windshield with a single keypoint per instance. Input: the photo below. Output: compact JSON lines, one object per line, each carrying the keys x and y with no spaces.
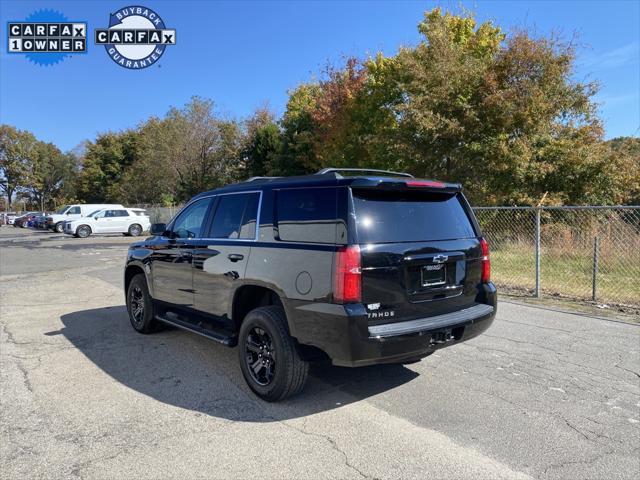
{"x":62,"y":210}
{"x":408,"y":216}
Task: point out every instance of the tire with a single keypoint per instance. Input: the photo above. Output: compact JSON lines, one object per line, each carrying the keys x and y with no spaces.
{"x":58,"y":228}
{"x":135,"y":230}
{"x":264,"y":337}
{"x":83,"y":231}
{"x":143,"y":321}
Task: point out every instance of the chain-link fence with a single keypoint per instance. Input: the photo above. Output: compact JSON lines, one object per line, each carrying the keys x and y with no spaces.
{"x":159,"y":214}
{"x":586,"y":253}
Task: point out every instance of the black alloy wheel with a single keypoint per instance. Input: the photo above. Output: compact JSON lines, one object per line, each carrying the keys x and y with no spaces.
{"x":260,"y":356}
{"x":140,"y":306}
{"x":269,"y":358}
{"x":136,"y":306}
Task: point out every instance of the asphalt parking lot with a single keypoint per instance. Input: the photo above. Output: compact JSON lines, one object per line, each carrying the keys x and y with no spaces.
{"x":542,"y":394}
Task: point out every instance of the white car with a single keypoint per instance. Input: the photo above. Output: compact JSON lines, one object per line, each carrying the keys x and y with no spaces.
{"x":130,"y":221}
{"x":55,"y":221}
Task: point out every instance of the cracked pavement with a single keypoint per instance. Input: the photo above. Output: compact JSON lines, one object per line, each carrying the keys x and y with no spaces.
{"x":542,"y":394}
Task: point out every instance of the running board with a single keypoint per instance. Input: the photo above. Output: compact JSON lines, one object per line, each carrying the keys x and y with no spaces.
{"x":218,"y":336}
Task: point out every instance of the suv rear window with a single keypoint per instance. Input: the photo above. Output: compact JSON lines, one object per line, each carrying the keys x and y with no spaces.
{"x":407,"y":216}
{"x":308,"y":215}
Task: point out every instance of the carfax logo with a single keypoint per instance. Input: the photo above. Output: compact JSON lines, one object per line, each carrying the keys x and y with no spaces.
{"x":46,"y":37}
{"x":136,"y":38}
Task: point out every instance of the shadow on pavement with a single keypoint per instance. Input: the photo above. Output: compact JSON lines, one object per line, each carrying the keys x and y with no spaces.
{"x":192,"y":372}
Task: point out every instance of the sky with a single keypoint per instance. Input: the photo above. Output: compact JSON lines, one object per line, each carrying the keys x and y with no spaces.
{"x":248,"y":54}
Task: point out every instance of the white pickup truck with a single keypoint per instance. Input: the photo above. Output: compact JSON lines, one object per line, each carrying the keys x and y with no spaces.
{"x":130,"y":221}
{"x":56,"y":221}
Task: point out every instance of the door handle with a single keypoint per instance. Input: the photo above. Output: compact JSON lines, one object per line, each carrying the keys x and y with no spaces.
{"x":234,"y":257}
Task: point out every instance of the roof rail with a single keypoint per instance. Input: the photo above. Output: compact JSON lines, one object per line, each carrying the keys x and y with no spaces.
{"x":372,"y":170}
{"x":253,"y":179}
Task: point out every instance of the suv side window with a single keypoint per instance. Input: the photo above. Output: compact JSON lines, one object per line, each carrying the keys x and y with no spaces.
{"x":307,"y":215}
{"x":110,"y":213}
{"x":73,"y":210}
{"x":189,"y":222}
{"x":121,"y":213}
{"x":235,"y":216}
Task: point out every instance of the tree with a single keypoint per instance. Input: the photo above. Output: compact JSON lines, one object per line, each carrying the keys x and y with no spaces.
{"x":205,"y":151}
{"x":298,"y":155}
{"x":623,"y":161}
{"x":49,"y":170}
{"x":16,"y":148}
{"x":500,"y":114}
{"x":263,"y":143}
{"x":104,"y":163}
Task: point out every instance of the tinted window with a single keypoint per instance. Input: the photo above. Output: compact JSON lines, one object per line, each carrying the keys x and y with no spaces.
{"x":188,"y":224}
{"x":383,"y":216}
{"x":235,"y":216}
{"x":307,"y":215}
{"x":73,"y":210}
{"x":121,"y":213}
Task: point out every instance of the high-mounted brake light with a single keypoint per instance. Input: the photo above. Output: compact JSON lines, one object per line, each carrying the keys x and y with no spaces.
{"x":347,"y":283}
{"x":486,"y":262}
{"x":424,"y":183}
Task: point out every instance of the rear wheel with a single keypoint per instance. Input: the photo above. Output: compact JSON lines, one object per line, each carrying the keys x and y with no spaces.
{"x":268,"y":357}
{"x":135,"y":230}
{"x":140,"y":305}
{"x":83,"y":231}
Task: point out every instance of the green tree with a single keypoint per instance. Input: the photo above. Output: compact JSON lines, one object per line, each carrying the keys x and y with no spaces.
{"x":298,"y":154}
{"x":16,"y":148}
{"x":205,"y":150}
{"x":263,"y":143}
{"x":104,"y":163}
{"x":48,"y":171}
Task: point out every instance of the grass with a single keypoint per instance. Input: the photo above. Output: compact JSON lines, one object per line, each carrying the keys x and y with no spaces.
{"x":569,"y":272}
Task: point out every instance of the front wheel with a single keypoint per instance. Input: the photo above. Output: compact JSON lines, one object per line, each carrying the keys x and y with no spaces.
{"x":83,"y":231}
{"x":140,"y":305}
{"x":135,"y":230}
{"x":269,"y":360}
{"x":59,"y":228}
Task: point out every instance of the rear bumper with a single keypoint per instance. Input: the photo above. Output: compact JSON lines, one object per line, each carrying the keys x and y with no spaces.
{"x":343,"y":333}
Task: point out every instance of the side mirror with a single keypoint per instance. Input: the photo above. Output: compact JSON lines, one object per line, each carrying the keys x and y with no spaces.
{"x":157,"y":228}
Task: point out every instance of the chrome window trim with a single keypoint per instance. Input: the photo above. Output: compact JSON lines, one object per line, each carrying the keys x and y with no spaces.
{"x":257,"y":233}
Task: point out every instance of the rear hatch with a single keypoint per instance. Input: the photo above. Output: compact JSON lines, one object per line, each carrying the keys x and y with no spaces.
{"x":420,"y":251}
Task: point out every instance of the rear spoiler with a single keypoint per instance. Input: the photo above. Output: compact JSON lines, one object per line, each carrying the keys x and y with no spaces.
{"x":390,"y":183}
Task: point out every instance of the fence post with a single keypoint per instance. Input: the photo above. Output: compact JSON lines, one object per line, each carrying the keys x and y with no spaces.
{"x":596,"y":255}
{"x":537,"y":252}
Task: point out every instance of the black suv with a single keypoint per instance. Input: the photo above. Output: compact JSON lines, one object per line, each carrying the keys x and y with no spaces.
{"x":360,"y":269}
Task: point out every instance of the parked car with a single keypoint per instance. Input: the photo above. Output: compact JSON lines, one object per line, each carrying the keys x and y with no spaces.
{"x":40,"y":222}
{"x":366,"y":269}
{"x":7,"y":218}
{"x":22,"y":220}
{"x":129,"y":221}
{"x":73,"y":212}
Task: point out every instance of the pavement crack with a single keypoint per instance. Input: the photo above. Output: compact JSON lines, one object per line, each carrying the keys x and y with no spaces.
{"x":627,"y":370}
{"x":334,"y":446}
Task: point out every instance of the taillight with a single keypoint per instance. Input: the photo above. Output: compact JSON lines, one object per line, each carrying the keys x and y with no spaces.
{"x":347,"y":283}
{"x":486,"y":263}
